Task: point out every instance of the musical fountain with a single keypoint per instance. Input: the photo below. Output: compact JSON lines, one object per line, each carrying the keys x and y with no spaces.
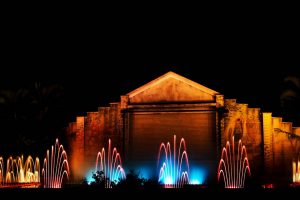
{"x":1,"y":171}
{"x":19,"y":173}
{"x":55,"y":167}
{"x":233,"y":168}
{"x":110,"y":164}
{"x":296,"y":171}
{"x":172,"y":172}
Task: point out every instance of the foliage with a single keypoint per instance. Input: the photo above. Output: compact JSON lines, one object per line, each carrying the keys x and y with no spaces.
{"x":28,"y":111}
{"x":135,"y":181}
{"x":84,"y":181}
{"x":99,"y":179}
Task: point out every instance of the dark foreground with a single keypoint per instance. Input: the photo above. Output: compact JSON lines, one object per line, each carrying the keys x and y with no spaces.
{"x":184,"y":194}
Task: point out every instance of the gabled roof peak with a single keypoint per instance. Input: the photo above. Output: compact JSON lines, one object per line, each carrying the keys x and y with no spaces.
{"x":178,"y":77}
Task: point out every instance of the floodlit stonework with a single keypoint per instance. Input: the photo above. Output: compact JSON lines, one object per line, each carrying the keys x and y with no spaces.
{"x":172,"y":104}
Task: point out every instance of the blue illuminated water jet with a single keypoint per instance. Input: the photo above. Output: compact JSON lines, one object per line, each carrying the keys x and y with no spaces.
{"x":173,"y":171}
{"x":110,"y":164}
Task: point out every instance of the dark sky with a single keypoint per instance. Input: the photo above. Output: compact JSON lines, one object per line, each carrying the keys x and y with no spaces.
{"x":246,"y":62}
{"x":244,"y":57}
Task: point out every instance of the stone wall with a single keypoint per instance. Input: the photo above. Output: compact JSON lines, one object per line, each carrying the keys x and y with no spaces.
{"x":269,"y":147}
{"x":88,"y":135}
{"x":201,"y":115}
{"x":282,"y":147}
{"x":244,"y":124}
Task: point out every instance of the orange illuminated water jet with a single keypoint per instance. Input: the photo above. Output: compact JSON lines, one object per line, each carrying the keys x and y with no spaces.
{"x":296,"y":171}
{"x":19,"y":172}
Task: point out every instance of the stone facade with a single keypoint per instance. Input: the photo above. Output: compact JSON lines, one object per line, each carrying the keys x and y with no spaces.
{"x":244,"y":124}
{"x":282,"y":147}
{"x":172,"y":104}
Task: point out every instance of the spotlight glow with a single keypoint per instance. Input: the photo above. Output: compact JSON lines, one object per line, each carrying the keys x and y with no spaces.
{"x":168,"y":180}
{"x":197,"y":176}
{"x":89,"y":177}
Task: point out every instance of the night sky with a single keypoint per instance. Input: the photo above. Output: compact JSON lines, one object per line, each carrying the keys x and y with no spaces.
{"x":48,"y":74}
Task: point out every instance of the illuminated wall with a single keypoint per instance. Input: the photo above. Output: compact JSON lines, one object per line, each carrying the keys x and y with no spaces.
{"x":282,"y":147}
{"x":166,"y":106}
{"x":172,"y":104}
{"x":75,"y":135}
{"x":268,"y":146}
{"x":147,"y":116}
{"x":148,"y":130}
{"x":90,"y":134}
{"x":244,"y":123}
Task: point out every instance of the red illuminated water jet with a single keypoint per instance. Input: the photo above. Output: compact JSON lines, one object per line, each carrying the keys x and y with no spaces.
{"x":56,"y":166}
{"x":110,"y":164}
{"x":234,"y":168}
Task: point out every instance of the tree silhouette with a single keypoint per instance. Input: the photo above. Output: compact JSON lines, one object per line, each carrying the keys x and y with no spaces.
{"x":100,"y":180}
{"x":30,"y":115}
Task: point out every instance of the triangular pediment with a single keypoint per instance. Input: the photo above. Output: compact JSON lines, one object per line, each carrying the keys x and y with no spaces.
{"x":171,"y":87}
